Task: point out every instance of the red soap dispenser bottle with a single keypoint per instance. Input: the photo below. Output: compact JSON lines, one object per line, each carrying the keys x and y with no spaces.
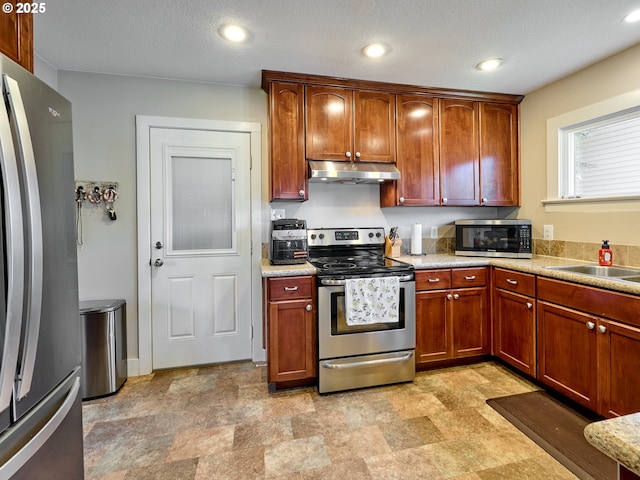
{"x":606,"y":255}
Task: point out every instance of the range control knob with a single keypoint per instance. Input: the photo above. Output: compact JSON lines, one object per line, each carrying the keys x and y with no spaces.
{"x":378,"y":235}
{"x":313,"y":236}
{"x":321,"y":236}
{"x":370,"y":234}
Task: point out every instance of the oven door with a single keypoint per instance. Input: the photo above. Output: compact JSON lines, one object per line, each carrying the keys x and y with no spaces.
{"x":337,"y":339}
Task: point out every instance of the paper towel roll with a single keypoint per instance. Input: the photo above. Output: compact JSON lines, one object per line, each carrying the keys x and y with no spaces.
{"x":416,"y":239}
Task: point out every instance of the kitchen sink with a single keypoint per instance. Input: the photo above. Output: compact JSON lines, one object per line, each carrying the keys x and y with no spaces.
{"x":612,"y":273}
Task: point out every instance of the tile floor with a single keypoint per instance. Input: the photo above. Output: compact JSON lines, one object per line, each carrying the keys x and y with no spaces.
{"x":220,"y":422}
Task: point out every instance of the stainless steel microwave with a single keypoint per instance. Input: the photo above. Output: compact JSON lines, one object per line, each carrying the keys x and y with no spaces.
{"x":494,"y":238}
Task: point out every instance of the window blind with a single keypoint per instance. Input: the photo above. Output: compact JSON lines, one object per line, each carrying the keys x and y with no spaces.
{"x":607,"y":159}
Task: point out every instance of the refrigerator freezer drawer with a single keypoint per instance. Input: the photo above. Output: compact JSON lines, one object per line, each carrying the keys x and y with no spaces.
{"x":33,"y":447}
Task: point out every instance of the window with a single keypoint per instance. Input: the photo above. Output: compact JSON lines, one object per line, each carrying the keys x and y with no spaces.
{"x":593,"y":157}
{"x":600,"y":158}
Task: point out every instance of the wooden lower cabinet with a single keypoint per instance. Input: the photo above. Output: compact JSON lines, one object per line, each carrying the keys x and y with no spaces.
{"x":590,"y":359}
{"x":291,"y":330}
{"x":619,"y":364}
{"x":567,"y":353}
{"x":514,"y":324}
{"x":451,"y":323}
{"x":514,"y":319}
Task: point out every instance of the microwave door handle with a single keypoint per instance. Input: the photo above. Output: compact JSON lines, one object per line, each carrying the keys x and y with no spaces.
{"x":14,"y":248}
{"x":33,"y":224}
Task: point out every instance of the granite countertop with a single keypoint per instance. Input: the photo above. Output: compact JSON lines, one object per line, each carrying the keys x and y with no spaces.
{"x":619,"y":438}
{"x":536,"y":266}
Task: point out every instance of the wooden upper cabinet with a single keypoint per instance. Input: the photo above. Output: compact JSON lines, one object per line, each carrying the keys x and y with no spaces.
{"x":286,"y":133}
{"x":16,"y":37}
{"x":328,"y":114}
{"x":416,"y":154}
{"x":349,"y":125}
{"x":374,"y":133}
{"x":459,"y":152}
{"x":499,"y":165}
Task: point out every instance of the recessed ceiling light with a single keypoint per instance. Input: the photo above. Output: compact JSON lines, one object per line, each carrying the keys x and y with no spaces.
{"x":489,"y":64}
{"x":375,"y":50}
{"x":233,"y":33}
{"x":632,"y":17}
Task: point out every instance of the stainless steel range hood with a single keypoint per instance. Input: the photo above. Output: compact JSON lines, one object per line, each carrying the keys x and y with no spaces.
{"x":351,"y":172}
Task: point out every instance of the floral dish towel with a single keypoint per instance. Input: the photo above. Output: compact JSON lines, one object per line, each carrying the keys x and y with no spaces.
{"x":372,"y":300}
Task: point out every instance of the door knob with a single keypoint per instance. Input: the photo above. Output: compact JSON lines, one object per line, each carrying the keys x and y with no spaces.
{"x":158,"y":245}
{"x":158,"y":262}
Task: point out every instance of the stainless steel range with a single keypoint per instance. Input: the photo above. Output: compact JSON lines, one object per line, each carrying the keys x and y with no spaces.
{"x":366,"y":310}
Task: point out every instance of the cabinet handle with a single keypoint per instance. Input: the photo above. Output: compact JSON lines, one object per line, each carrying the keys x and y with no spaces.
{"x":590,"y":325}
{"x":445,"y":200}
{"x":512,"y":282}
{"x":401,"y":199}
{"x":449,"y":296}
{"x":290,"y":289}
{"x":485,"y":199}
{"x":301,"y":193}
{"x":602,"y":328}
{"x":456,"y":296}
{"x":529,"y":305}
{"x":347,"y":154}
{"x":470,"y":277}
{"x":433,"y":280}
{"x":308,"y":308}
{"x":357,"y":154}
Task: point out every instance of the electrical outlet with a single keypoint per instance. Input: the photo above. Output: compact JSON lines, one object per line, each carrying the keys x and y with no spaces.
{"x":548,"y":232}
{"x":277,"y":213}
{"x":434,"y":231}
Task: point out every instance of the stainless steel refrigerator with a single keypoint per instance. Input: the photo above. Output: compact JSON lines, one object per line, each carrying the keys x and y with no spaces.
{"x":40,"y":402}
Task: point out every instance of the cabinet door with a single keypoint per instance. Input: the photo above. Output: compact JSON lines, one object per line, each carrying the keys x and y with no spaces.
{"x":619,"y":362}
{"x":459,"y":152}
{"x":470,"y":322}
{"x":567,"y":355}
{"x":417,"y":154}
{"x":433,"y":337}
{"x":16,"y":37}
{"x":514,"y":320}
{"x":499,"y":168}
{"x":329,"y":123}
{"x":374,"y":134}
{"x":291,"y":341}
{"x":286,"y":125}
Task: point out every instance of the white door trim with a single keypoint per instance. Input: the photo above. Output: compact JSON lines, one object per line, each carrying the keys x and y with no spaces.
{"x":143,"y":125}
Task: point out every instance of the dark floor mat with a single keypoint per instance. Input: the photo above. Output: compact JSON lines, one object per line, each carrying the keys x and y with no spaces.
{"x":558,"y":429}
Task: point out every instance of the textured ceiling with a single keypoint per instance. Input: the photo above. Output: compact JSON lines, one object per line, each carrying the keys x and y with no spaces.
{"x":434,"y":42}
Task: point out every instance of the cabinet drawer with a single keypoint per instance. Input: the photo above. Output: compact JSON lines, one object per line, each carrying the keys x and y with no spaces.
{"x":523,"y":283}
{"x":290,"y":288}
{"x":433,"y":279}
{"x":595,"y":301}
{"x":469,"y":277}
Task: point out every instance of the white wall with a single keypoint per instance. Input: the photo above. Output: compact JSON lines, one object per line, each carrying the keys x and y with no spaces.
{"x":342,"y":205}
{"x":104,"y":110}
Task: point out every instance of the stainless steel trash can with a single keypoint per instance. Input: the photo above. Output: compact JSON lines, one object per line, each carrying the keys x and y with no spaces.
{"x":104,"y":347}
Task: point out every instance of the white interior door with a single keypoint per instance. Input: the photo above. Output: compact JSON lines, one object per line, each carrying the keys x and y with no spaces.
{"x":200,"y":246}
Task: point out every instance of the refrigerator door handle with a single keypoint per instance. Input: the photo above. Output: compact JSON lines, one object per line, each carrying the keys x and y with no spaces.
{"x":14,"y":239}
{"x":33,"y":231}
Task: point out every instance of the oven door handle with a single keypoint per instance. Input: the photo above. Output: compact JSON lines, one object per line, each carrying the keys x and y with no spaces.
{"x":335,"y":365}
{"x":333,"y":283}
